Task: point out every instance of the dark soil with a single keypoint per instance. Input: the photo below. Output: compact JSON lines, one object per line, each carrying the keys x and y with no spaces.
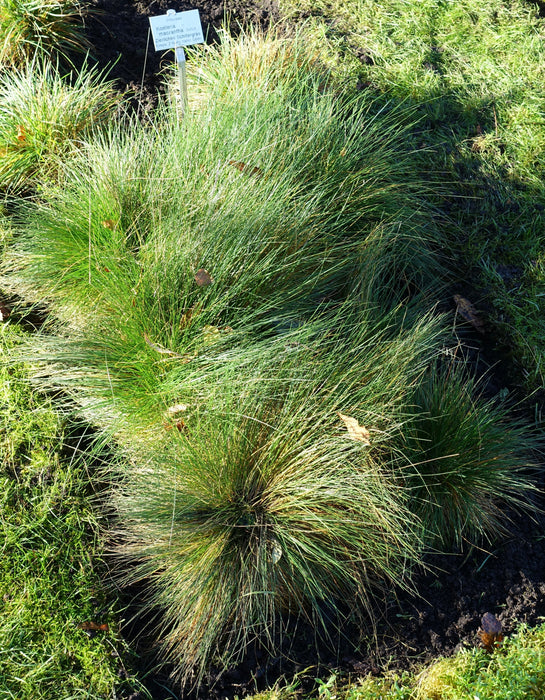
{"x":507,"y":579}
{"x":119,"y":32}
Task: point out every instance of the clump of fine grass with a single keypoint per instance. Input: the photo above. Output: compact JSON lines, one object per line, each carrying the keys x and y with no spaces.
{"x":243,"y":528}
{"x":244,"y":496}
{"x":467,"y":461}
{"x":289,"y":197}
{"x":260,"y":503}
{"x":222,"y":293}
{"x":284,"y":62}
{"x":320,"y":210}
{"x":40,"y":27}
{"x":44,"y":116}
{"x":52,"y":564}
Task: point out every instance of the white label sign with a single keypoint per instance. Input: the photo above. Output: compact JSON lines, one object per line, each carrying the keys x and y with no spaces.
{"x":176,"y":29}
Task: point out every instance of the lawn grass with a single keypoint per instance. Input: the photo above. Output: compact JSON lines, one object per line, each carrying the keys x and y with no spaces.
{"x":473,"y":72}
{"x":51,"y":571}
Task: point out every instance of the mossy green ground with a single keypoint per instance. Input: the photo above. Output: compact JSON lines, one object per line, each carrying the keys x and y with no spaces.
{"x":516,"y":671}
{"x":51,"y":565}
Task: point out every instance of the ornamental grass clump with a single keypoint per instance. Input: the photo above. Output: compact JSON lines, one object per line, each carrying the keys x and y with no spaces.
{"x":289,"y":63}
{"x":241,"y":223}
{"x":270,"y":499}
{"x":282,"y":197}
{"x":44,"y":116}
{"x":30,"y":28}
{"x":232,"y":304}
{"x":252,"y":520}
{"x":255,"y":489}
{"x":467,"y":463}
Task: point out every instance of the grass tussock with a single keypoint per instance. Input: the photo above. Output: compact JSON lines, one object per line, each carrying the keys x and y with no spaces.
{"x":260,"y":503}
{"x":465,"y":459}
{"x":29,"y":28}
{"x":240,"y":302}
{"x":44,"y":117}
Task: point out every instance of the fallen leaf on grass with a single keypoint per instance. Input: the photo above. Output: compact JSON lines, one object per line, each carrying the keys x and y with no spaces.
{"x":203,"y":278}
{"x":467,"y":311}
{"x":355,"y":430}
{"x":490,"y":633}
{"x":4,"y":312}
{"x":93,"y":627}
{"x":247,"y":169}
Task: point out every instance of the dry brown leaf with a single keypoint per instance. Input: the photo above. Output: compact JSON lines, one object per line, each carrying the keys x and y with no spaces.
{"x":203,"y":278}
{"x":179,"y":425}
{"x":247,"y":169}
{"x":93,"y":627}
{"x":355,"y":430}
{"x":468,"y":312}
{"x":490,"y":633}
{"x":5,"y":312}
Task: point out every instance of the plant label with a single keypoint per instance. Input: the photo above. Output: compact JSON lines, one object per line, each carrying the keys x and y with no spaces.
{"x":176,"y":29}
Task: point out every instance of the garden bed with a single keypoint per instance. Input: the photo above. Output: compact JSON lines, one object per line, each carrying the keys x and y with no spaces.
{"x":507,"y":579}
